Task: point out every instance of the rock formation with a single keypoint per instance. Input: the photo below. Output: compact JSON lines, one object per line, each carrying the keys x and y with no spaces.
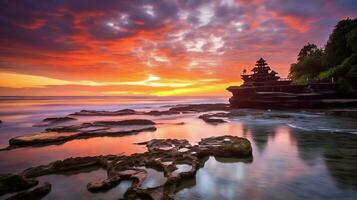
{"x":165,"y":155}
{"x":85,"y":130}
{"x":55,"y":120}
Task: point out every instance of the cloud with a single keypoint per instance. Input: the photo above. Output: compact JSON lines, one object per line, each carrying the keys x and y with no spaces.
{"x":180,"y":41}
{"x":12,"y":80}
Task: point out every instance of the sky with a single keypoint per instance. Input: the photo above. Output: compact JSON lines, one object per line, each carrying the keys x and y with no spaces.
{"x":153,"y":47}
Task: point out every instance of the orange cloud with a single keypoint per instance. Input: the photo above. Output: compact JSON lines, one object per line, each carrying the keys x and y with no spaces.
{"x":296,"y":23}
{"x":150,"y":48}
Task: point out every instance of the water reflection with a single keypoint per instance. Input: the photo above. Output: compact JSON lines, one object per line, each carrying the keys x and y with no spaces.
{"x":72,"y":185}
{"x":295,"y":157}
{"x":216,"y":185}
{"x":288,"y":164}
{"x":154,"y":179}
{"x":259,"y":134}
{"x":182,"y":168}
{"x":193,"y":129}
{"x":22,"y":158}
{"x":339,"y":153}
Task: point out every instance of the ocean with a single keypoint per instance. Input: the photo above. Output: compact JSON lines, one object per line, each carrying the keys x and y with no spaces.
{"x":297,"y":154}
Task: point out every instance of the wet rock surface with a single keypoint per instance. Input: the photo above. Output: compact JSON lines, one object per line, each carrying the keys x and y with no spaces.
{"x":214,"y":118}
{"x":222,"y":117}
{"x":61,"y":134}
{"x":85,"y":130}
{"x":15,"y":182}
{"x":224,"y":146}
{"x":69,"y":164}
{"x":177,"y":109}
{"x":201,"y":107}
{"x":104,"y":113}
{"x":36,"y":193}
{"x":123,"y":112}
{"x":164,"y":112}
{"x":54,"y":120}
{"x":176,"y":159}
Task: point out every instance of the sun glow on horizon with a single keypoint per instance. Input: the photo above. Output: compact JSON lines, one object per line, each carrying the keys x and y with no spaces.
{"x":14,"y":80}
{"x":153,"y":47}
{"x":160,"y":86}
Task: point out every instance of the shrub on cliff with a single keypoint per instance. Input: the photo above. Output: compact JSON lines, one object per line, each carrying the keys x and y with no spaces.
{"x":338,"y":60}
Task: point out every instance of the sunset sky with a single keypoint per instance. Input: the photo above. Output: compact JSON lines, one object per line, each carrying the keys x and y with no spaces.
{"x":153,"y":47}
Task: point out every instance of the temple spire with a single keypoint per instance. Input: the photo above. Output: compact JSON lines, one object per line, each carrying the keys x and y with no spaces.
{"x":262,"y":74}
{"x":261,"y":63}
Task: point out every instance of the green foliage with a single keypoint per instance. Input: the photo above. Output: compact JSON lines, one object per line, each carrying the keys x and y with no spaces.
{"x":346,"y":73}
{"x":338,"y":60}
{"x":308,"y":50}
{"x":336,"y":49}
{"x":337,"y":71}
{"x":352,"y":40}
{"x":308,"y":65}
{"x":302,"y":79}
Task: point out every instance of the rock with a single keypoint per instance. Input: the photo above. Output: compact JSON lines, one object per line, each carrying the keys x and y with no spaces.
{"x":99,"y":186}
{"x":177,"y":109}
{"x":123,"y":112}
{"x":103,"y":185}
{"x":69,"y":164}
{"x":58,"y":119}
{"x":36,"y":193}
{"x":74,"y":163}
{"x":105,"y":113}
{"x":216,"y":118}
{"x":201,"y":107}
{"x":54,"y":120}
{"x":124,"y":122}
{"x":165,"y":144}
{"x":42,"y":138}
{"x":12,"y":183}
{"x":211,"y":118}
{"x":85,"y":130}
{"x":165,"y":112}
{"x":225,"y":146}
{"x":163,"y":155}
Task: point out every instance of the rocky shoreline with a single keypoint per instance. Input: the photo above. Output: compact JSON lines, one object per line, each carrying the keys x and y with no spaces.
{"x":177,"y":109}
{"x":213,"y":114}
{"x":54,"y":120}
{"x":62,"y":134}
{"x":84,"y":130}
{"x":163,"y":154}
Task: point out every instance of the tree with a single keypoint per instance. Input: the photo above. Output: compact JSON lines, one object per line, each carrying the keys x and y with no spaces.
{"x":351,"y":39}
{"x":344,"y":72}
{"x":307,"y":50}
{"x":338,"y":59}
{"x":336,"y":49}
{"x":309,"y":64}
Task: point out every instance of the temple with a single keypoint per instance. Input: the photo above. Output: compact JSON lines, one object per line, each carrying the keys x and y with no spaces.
{"x":263,"y":88}
{"x":262,"y":75}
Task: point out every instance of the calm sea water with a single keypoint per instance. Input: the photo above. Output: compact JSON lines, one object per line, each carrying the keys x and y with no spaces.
{"x":308,"y":155}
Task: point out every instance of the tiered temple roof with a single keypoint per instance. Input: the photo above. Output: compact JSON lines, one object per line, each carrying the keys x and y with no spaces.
{"x":261,"y":74}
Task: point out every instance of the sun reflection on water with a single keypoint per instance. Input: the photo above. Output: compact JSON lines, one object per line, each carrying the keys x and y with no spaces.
{"x":287,"y":162}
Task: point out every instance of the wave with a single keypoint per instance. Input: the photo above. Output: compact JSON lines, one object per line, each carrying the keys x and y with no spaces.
{"x":331,"y":130}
